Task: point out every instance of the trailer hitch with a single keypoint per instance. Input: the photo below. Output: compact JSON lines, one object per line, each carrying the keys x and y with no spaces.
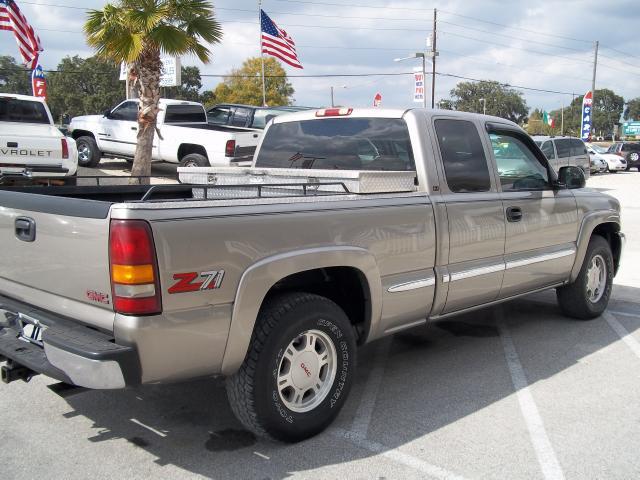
{"x":12,"y":372}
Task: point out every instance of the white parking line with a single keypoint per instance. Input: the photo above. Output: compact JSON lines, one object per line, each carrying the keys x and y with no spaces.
{"x":396,"y":455}
{"x":151,"y":429}
{"x":362,"y":419}
{"x":622,"y":332}
{"x":626,"y":314}
{"x":544,"y":451}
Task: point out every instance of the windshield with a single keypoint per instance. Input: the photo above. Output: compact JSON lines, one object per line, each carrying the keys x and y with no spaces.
{"x":22,"y":111}
{"x":338,"y":143}
{"x":598,"y":148}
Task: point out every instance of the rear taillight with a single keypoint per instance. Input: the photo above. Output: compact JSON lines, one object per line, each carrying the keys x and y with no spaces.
{"x":230,"y":148}
{"x":134,"y":269}
{"x":65,"y":148}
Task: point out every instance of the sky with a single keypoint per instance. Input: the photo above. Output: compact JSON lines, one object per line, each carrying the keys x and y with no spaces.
{"x":543,"y":44}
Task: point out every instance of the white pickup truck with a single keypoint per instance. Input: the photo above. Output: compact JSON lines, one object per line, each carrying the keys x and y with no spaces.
{"x":30,"y":145}
{"x":184,"y":136}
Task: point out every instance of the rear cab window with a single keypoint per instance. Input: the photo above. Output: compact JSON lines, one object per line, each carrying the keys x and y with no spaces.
{"x":23,"y":111}
{"x":338,"y":144}
{"x":463,"y":157}
{"x":185,"y":114}
{"x":219,"y":115}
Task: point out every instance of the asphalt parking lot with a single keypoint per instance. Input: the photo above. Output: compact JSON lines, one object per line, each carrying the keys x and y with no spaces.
{"x":515,"y":391}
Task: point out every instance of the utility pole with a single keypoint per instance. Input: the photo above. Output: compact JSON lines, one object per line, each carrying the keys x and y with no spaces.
{"x":562,"y":121}
{"x":593,"y":87}
{"x":434,"y":53}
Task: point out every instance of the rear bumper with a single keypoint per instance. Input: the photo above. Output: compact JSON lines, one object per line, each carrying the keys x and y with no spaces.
{"x":69,"y":352}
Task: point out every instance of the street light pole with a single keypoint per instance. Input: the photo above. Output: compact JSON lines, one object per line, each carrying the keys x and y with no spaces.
{"x":484,"y":105}
{"x":424,"y":58}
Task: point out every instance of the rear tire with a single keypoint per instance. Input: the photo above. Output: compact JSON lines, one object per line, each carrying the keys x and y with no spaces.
{"x":88,"y":152}
{"x":291,"y":387}
{"x":588,"y":296}
{"x":194,"y":160}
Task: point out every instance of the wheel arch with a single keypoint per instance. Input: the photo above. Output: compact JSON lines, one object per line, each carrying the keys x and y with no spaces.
{"x":188,"y":148}
{"x":324,"y":271}
{"x":76,"y":134}
{"x":605,"y":224}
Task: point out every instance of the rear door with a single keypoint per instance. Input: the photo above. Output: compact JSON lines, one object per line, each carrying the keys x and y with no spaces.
{"x":563,"y":153}
{"x":542,"y":223}
{"x":580,"y":156}
{"x":475,"y":216}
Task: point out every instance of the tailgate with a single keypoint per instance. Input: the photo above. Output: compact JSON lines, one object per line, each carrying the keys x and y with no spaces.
{"x":33,"y":145}
{"x":55,"y":255}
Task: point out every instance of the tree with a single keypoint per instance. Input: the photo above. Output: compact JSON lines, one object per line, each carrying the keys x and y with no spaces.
{"x":632,"y":112}
{"x":137,"y":32}
{"x":189,"y":89}
{"x":244,"y":84}
{"x":81,"y":86}
{"x":500,"y":101}
{"x":14,"y":78}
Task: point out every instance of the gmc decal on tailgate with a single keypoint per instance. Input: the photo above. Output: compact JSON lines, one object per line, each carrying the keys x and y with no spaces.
{"x":186,"y":282}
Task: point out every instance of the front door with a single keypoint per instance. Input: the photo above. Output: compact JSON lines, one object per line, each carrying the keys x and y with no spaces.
{"x":119,"y":131}
{"x":475,"y":216}
{"x":542,"y":223}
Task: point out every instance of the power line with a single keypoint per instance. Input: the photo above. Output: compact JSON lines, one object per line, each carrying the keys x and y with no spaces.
{"x":621,"y":53}
{"x":520,"y":29}
{"x":508,"y":85}
{"x":355,"y":5}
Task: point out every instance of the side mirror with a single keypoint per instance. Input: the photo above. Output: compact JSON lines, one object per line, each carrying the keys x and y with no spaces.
{"x":571,"y":177}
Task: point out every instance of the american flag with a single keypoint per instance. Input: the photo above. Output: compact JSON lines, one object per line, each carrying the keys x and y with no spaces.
{"x":12,"y":19}
{"x":276,"y":42}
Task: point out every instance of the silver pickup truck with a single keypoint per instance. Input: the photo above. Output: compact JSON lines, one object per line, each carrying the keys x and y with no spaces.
{"x":109,"y":287}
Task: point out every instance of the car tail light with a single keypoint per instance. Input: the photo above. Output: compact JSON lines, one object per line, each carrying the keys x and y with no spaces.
{"x":230,"y":148}
{"x":65,"y":148}
{"x":334,"y":112}
{"x":135,"y":283}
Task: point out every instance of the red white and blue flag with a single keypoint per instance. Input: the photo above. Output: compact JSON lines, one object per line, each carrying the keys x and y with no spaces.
{"x":12,"y":19}
{"x":277,"y":43}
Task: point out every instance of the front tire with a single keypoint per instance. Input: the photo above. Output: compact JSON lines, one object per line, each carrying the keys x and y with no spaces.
{"x":88,"y":152}
{"x":299,"y":368}
{"x":588,"y":296}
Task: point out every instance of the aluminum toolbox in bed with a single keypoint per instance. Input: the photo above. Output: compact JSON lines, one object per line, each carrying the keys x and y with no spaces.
{"x":295,"y":179}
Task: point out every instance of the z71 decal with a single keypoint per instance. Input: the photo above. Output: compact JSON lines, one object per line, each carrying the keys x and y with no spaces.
{"x":197,"y":282}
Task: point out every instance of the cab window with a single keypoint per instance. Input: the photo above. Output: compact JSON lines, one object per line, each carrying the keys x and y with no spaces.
{"x":563,"y":147}
{"x":127,"y":111}
{"x":463,"y":158}
{"x":518,"y":166}
{"x":219,"y":115}
{"x":578,"y":147}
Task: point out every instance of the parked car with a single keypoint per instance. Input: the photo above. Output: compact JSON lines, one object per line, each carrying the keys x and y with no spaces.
{"x":185,"y":136}
{"x":275,"y":288}
{"x":598,"y":162}
{"x":615,"y":163}
{"x":30,"y":144}
{"x":247,"y":116}
{"x":565,"y":151}
{"x":629,"y":151}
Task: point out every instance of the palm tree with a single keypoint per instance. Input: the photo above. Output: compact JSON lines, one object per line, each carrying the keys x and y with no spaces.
{"x":138,"y":32}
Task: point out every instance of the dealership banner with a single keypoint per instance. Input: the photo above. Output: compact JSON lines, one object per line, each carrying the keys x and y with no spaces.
{"x":39,"y":83}
{"x":587,"y":116}
{"x":418,"y":89}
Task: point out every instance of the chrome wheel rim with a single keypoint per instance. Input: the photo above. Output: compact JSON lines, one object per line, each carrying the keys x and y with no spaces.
{"x":307,"y":371}
{"x":84,"y":153}
{"x":191,"y":164}
{"x":596,"y":278}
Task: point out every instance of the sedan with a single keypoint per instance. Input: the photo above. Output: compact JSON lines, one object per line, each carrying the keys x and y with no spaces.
{"x":615,"y":163}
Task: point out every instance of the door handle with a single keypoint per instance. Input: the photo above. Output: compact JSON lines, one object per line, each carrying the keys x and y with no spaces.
{"x":134,"y":128}
{"x":514,"y":214}
{"x":25,"y":229}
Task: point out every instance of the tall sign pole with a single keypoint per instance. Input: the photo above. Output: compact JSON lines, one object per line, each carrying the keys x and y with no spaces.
{"x":593,"y":81}
{"x":433,"y":59}
{"x":264,"y":89}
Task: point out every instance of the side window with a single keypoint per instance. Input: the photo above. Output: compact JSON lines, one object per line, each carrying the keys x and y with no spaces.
{"x":465,"y":164}
{"x":547,"y":149}
{"x":128,"y":111}
{"x":578,"y":148}
{"x":241,"y":117}
{"x":518,"y":166}
{"x":219,"y":115}
{"x":563,"y":147}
